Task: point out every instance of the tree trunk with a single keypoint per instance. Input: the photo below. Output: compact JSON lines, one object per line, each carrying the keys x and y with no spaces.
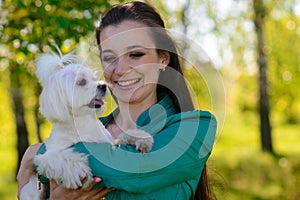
{"x":265,"y":126}
{"x":185,"y":24}
{"x":39,"y":118}
{"x":22,"y":133}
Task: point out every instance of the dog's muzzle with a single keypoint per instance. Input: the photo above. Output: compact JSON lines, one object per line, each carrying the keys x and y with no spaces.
{"x":98,"y":101}
{"x":102,"y":87}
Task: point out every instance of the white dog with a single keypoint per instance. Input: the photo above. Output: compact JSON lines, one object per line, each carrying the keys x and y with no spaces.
{"x":71,"y":98}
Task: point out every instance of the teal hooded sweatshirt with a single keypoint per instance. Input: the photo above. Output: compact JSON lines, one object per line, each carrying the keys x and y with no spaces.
{"x":171,"y":170}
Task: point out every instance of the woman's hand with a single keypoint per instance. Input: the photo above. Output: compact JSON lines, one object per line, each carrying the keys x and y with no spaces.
{"x":59,"y":192}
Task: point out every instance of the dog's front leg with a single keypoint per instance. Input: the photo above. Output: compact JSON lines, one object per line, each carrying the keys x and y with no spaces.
{"x":142,"y":140}
{"x":66,"y":167}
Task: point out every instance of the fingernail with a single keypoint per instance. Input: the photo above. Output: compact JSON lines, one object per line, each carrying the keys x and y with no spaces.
{"x":98,"y":179}
{"x":82,"y":175}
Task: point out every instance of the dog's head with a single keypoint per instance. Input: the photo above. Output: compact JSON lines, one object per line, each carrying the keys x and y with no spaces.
{"x":70,"y":88}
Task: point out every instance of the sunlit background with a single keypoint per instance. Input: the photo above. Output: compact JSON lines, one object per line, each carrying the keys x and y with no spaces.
{"x":220,"y":36}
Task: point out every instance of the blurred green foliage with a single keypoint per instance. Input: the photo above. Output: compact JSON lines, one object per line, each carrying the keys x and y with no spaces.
{"x":283,"y":37}
{"x":238,"y":168}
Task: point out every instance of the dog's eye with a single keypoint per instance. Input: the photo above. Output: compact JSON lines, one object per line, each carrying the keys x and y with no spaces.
{"x":81,"y":82}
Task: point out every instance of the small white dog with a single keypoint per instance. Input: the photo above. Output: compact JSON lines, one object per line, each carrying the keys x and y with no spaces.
{"x":71,"y":99}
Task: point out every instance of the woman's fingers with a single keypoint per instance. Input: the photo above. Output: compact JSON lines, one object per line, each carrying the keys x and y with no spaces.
{"x":82,"y":176}
{"x":53,"y":184}
{"x":100,"y":193}
{"x":97,"y":193}
{"x":105,"y":191}
{"x":95,"y":182}
{"x":97,"y":179}
{"x":58,"y":191}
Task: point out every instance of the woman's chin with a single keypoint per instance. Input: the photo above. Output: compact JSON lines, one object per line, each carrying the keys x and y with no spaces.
{"x":127,"y":98}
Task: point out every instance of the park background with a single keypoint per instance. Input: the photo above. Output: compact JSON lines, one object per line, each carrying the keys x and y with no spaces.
{"x":232,"y":34}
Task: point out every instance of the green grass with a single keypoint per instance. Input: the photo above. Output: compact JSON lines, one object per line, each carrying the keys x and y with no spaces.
{"x":240,"y":170}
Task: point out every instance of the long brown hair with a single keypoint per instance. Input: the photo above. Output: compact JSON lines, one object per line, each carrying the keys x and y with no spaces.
{"x":172,"y":80}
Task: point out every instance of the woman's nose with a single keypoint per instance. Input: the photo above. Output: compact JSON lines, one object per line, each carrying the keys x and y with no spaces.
{"x":122,"y":65}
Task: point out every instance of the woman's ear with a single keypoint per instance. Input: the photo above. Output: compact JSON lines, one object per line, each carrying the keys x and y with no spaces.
{"x":164,"y":58}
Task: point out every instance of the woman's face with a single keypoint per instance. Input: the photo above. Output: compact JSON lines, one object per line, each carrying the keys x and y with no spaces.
{"x":130,"y":61}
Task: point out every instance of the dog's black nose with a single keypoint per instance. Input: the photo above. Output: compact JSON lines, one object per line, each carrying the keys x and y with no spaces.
{"x":102,"y":87}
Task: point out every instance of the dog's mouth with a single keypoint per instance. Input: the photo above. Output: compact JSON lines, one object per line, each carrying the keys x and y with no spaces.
{"x":96,"y":103}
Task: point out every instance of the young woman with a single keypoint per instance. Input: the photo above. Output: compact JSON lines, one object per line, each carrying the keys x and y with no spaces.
{"x":141,"y":63}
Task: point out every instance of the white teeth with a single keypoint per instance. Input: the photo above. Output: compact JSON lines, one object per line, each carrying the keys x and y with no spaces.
{"x":126,"y":83}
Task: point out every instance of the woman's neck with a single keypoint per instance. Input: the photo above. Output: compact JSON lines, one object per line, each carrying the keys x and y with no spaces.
{"x":129,"y":113}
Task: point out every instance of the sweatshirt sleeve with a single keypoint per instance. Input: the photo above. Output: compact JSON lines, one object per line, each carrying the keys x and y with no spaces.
{"x":179,"y":154}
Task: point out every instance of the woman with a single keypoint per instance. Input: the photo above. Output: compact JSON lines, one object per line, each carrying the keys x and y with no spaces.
{"x":141,"y":63}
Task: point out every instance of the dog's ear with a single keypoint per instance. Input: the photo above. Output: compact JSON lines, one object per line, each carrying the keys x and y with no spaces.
{"x":48,"y":64}
{"x":56,"y":98}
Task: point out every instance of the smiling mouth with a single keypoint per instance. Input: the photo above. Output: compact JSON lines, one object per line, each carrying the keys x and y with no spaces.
{"x":127,"y":83}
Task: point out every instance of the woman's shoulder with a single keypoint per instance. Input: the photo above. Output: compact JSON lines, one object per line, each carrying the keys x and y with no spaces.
{"x":27,"y":168}
{"x":186,"y":128}
{"x":31,"y":151}
{"x":194,"y":115}
{"x":29,"y":155}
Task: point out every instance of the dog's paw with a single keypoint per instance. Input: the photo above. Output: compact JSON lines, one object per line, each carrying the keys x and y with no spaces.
{"x":142,"y":140}
{"x":66,"y":167}
{"x":74,"y":167}
{"x":144,"y":145}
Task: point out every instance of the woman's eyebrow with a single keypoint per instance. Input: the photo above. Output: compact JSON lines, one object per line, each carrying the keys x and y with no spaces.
{"x":127,"y":49}
{"x":106,"y":51}
{"x":137,"y":47}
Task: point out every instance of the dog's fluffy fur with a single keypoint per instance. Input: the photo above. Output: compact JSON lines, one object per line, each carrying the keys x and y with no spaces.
{"x":71,"y":98}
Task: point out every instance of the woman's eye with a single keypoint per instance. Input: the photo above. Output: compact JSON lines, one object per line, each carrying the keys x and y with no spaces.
{"x":81,"y":82}
{"x":108,"y":59}
{"x":136,"y":54}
